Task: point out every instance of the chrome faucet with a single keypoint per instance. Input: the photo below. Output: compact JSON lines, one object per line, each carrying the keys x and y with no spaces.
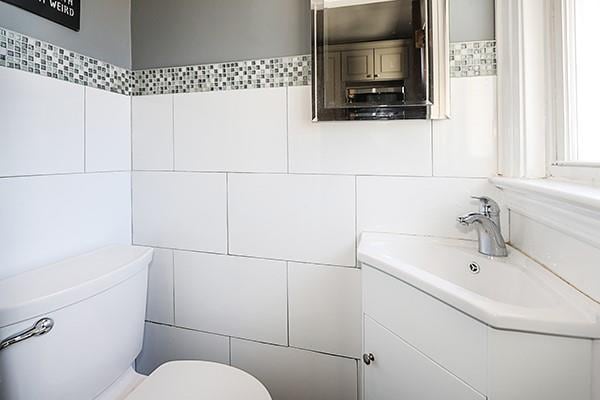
{"x":487,"y":223}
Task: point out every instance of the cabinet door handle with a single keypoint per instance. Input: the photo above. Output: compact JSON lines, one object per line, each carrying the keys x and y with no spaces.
{"x":368,"y":75}
{"x":368,"y":358}
{"x":376,"y":75}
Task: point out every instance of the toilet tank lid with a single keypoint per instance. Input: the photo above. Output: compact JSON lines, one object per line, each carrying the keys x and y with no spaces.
{"x":43,"y":290}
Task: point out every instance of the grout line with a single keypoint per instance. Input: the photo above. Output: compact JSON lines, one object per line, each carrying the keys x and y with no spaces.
{"x":256,"y":257}
{"x":227,"y":238}
{"x":317,"y":173}
{"x":63,"y":174}
{"x":253,"y":341}
{"x":229,"y":350}
{"x":356,"y":234}
{"x":287,"y":127}
{"x":173,"y":128}
{"x":287,"y":292}
{"x":131,"y":164}
{"x":173,"y":277}
{"x":85,"y":93}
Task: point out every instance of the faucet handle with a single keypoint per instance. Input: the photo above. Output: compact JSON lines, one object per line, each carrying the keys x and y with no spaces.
{"x":488,"y":206}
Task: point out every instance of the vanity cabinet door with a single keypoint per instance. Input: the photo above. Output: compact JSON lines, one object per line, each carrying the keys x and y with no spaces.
{"x":357,"y":65}
{"x":391,"y":63}
{"x":399,"y":372}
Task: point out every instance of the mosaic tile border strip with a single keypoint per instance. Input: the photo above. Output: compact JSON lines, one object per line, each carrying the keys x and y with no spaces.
{"x":25,"y":53}
{"x":17,"y":51}
{"x":252,"y":74}
{"x":468,"y":59}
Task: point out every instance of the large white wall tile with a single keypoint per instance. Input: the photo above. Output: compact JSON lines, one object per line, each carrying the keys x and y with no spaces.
{"x":159,"y":305}
{"x":42,"y":124}
{"x":48,"y":218}
{"x":325,"y":309}
{"x":571,"y":259}
{"x":234,"y":296}
{"x":165,"y":343}
{"x":467,"y":143}
{"x":355,"y":147}
{"x":241,"y":130}
{"x":292,"y":374}
{"x":293,"y":217}
{"x":421,"y":206}
{"x":152,"y":132}
{"x":180,"y":210}
{"x":107,"y":131}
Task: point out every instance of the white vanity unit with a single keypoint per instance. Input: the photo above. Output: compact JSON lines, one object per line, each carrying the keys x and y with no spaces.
{"x":442,"y":321}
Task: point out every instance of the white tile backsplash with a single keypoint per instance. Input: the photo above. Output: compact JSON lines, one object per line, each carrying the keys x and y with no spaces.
{"x":152,"y":132}
{"x":421,"y":206}
{"x":42,"y":125}
{"x":166,"y":343}
{"x":355,"y":147}
{"x":466,"y":144}
{"x":573,"y":260}
{"x":293,"y":217}
{"x":107,"y":131}
{"x":180,"y":210}
{"x":241,"y":131}
{"x":325,"y":309}
{"x":159,"y":304}
{"x":293,"y":374}
{"x":235,"y":296}
{"x":48,"y":218}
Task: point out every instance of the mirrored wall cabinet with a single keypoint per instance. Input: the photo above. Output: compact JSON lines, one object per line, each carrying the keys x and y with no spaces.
{"x":375,"y":59}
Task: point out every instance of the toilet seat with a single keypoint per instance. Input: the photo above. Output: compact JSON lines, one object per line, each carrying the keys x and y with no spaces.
{"x":198,"y":380}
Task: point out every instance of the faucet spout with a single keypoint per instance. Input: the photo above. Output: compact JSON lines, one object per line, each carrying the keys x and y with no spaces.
{"x":491,"y":241}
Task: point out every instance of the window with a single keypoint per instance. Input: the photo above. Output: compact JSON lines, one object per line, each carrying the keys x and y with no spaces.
{"x":582,"y":137}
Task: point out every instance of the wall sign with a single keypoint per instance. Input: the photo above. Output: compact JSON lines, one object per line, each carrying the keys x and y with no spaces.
{"x":64,"y":12}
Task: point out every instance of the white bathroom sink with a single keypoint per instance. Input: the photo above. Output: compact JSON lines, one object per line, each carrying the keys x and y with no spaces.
{"x":513,"y":293}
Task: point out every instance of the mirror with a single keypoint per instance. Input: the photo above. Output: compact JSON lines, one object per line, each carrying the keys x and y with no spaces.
{"x":380,"y":59}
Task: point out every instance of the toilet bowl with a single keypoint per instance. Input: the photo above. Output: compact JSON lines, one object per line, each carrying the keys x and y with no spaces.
{"x":72,"y":331}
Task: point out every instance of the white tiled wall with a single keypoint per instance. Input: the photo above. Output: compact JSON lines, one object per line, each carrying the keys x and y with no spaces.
{"x":61,"y":211}
{"x":246,"y":132}
{"x":575,"y":261}
{"x":293,"y":217}
{"x":164,"y":343}
{"x":262,"y":210}
{"x":107,"y":131}
{"x":236,"y":296}
{"x":180,"y":210}
{"x":294,"y":374}
{"x":41,"y":121}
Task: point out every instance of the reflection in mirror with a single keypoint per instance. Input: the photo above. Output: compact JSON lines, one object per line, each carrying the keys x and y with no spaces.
{"x":372,"y":59}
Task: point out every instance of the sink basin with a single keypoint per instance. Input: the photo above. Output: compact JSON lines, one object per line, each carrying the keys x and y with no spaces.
{"x":512,"y":293}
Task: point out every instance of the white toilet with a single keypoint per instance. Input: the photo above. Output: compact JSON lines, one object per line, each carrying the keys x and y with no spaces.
{"x":72,"y":330}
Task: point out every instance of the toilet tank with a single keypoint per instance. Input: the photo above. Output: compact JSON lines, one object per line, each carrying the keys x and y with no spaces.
{"x":97,"y":302}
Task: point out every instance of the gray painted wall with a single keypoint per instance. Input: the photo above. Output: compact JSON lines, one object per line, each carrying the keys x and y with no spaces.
{"x":203,"y":31}
{"x":184,"y":32}
{"x":105,"y":29}
{"x":471,"y":20}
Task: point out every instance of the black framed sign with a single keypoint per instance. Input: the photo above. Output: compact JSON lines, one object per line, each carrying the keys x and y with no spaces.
{"x":63,"y":12}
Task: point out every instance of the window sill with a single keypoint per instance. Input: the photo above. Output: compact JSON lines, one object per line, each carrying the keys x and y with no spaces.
{"x":569,"y":207}
{"x":587,"y":173}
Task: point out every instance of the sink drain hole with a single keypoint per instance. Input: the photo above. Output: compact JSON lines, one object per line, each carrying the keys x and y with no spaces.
{"x":474,"y":267}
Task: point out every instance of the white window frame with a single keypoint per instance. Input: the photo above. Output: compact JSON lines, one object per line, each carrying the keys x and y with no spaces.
{"x":535,"y":61}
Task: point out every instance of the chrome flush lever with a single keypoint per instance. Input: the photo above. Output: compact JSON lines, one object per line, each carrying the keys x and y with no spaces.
{"x":41,"y":327}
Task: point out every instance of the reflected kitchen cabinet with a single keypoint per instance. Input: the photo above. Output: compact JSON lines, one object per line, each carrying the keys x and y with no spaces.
{"x":357,"y":65}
